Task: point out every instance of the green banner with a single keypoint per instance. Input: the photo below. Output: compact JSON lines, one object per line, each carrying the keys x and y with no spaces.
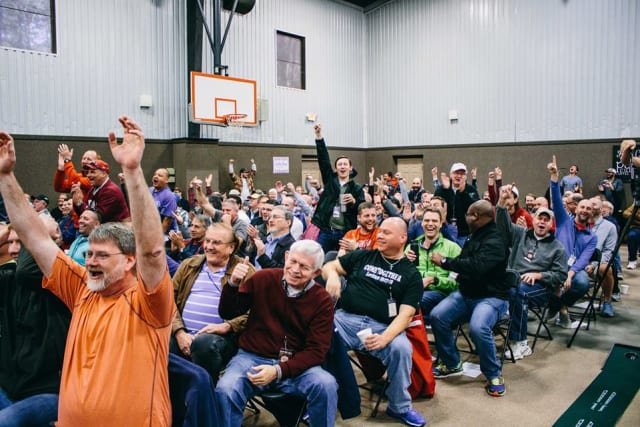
{"x":607,"y":397}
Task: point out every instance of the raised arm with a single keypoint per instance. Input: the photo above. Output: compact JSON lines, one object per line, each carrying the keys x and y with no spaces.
{"x":24,"y":219}
{"x":151,"y":260}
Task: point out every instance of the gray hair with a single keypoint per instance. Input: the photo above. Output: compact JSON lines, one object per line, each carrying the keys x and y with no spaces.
{"x":288,"y":215}
{"x":205,"y":220}
{"x":309,"y":248}
{"x":118,"y":233}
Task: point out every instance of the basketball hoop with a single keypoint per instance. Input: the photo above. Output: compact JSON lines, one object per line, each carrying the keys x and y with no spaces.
{"x":234,"y":124}
{"x":234,"y":120}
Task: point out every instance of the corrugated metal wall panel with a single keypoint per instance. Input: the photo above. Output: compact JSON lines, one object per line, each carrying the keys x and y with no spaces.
{"x":109,"y":53}
{"x":515,"y":70}
{"x":334,"y":37}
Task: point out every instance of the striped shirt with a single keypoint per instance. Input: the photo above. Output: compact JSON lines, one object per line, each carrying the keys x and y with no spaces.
{"x":201,"y":307}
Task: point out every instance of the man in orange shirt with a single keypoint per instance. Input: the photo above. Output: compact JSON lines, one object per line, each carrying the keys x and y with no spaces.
{"x":114,"y":371}
{"x":365,"y":236}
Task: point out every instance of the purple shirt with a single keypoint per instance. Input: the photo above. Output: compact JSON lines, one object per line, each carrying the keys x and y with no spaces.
{"x":166,"y":203}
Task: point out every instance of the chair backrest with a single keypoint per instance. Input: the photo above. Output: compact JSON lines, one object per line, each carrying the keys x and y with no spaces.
{"x":597,"y":256}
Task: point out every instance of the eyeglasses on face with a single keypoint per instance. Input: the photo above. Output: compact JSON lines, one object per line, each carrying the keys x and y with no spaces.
{"x":100,"y":256}
{"x":216,"y":242}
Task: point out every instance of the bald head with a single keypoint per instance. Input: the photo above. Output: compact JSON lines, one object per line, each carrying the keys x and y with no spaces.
{"x":479,"y":214}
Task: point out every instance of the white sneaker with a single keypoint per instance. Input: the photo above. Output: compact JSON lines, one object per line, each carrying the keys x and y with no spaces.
{"x":521,"y":350}
{"x":632,"y":265}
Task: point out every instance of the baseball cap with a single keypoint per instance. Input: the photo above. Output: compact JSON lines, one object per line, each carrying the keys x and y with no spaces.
{"x":457,"y":167}
{"x":97,"y":165}
{"x":255,"y":196}
{"x":515,"y":191}
{"x":544,"y":211}
{"x":42,"y":197}
{"x":611,"y":170}
{"x":234,"y":192}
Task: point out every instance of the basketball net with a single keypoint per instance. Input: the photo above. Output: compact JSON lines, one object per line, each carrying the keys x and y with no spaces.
{"x":234,"y":125}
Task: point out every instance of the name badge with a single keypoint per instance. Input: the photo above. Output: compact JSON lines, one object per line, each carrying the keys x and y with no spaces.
{"x":391,"y":307}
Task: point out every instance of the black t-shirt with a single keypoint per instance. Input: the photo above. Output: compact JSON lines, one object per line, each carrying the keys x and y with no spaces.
{"x":371,"y":279}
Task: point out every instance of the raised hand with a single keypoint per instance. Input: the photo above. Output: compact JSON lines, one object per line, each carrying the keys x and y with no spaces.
{"x":445,"y":180}
{"x":318,"y":131}
{"x":208,"y":180}
{"x":7,"y":153}
{"x":553,"y":169}
{"x":498,"y":172}
{"x":128,"y":153}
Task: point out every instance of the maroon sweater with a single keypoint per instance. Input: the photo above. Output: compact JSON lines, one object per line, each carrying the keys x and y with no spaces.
{"x":307,"y":321}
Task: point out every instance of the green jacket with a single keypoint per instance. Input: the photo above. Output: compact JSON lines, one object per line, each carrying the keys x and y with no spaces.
{"x":184,"y":279}
{"x":426,"y":268}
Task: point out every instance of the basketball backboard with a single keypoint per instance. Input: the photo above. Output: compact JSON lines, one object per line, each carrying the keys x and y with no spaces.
{"x":213,"y":97}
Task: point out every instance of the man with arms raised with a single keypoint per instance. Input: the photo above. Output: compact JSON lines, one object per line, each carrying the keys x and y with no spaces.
{"x":541,"y":261}
{"x":115,"y":364}
{"x":383,"y":293}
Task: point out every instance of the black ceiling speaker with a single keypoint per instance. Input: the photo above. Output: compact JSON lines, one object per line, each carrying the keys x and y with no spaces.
{"x":244,"y":6}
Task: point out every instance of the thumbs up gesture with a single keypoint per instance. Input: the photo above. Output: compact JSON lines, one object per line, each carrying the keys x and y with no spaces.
{"x":240,"y":272}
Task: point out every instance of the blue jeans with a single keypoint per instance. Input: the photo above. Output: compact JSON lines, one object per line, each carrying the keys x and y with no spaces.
{"x":429,"y":300}
{"x":37,"y":410}
{"x":234,"y":390}
{"x":633,"y":241}
{"x":396,"y":356}
{"x":536,"y":295}
{"x":482,"y":314}
{"x":330,"y":239}
{"x":579,"y":287}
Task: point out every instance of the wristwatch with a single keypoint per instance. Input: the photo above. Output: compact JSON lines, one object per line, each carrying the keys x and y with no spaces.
{"x":443,"y":262}
{"x":67,"y":161}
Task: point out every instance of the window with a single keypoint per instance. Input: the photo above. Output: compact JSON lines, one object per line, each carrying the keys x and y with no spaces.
{"x":291,"y":63}
{"x":28,"y":24}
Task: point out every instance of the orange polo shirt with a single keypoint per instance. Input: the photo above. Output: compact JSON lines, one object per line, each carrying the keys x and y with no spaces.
{"x":365,"y":241}
{"x":116,"y":356}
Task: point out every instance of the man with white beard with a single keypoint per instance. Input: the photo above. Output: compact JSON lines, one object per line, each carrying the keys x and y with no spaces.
{"x":116,"y":357}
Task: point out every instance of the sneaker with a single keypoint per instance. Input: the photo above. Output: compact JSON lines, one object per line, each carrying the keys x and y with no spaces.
{"x":410,"y":418}
{"x":616,"y":297}
{"x":551,"y":314}
{"x":607,"y":309}
{"x":520,"y":349}
{"x":496,"y":387}
{"x":632,"y":265}
{"x":620,"y":276}
{"x":564,"y":321}
{"x":442,"y":371}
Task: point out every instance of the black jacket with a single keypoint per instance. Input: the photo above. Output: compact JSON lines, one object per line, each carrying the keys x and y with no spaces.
{"x":277,"y":258}
{"x":331,"y":193}
{"x":482,"y":264}
{"x":33,"y":331}
{"x":457,"y":204}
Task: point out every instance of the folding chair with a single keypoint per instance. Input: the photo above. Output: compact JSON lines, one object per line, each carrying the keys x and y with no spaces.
{"x":503,"y":326}
{"x":284,"y":407}
{"x":589,"y":312}
{"x":540,"y":312}
{"x":374,"y":371}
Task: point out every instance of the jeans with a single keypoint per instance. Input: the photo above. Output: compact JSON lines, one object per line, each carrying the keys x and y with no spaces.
{"x":234,"y":390}
{"x":535,"y":294}
{"x":579,"y":287}
{"x":429,"y":300}
{"x":210,"y":351}
{"x":330,"y":239}
{"x":38,"y":410}
{"x":633,"y":241}
{"x":482,"y":314}
{"x":396,"y":356}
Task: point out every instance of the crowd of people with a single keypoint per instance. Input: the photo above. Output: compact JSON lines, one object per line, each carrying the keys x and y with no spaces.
{"x":255,"y":286}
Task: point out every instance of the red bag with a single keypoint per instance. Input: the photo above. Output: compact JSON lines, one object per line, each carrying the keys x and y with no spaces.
{"x":423,"y":384}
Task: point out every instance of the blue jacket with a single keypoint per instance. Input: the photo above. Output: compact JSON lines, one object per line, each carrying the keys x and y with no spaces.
{"x":579,"y":243}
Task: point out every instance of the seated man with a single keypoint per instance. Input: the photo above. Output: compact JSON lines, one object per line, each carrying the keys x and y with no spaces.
{"x":607,"y":236}
{"x":382,"y":293}
{"x":198,"y":332}
{"x":287,"y":337}
{"x":540,"y":260}
{"x":87,"y":222}
{"x":436,"y":281}
{"x":481,"y":299}
{"x":365,"y":235}
{"x":579,"y":244}
{"x":271,"y":252}
{"x":34,"y":330}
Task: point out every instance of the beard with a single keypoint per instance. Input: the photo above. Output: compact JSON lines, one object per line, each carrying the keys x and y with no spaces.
{"x":102,"y":284}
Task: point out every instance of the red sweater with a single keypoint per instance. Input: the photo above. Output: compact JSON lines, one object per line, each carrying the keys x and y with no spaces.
{"x":307,"y":321}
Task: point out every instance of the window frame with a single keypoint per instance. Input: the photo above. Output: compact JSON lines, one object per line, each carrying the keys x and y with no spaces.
{"x":302,"y":64}
{"x":53,"y":48}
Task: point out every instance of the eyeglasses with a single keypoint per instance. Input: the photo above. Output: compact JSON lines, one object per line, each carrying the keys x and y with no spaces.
{"x":101,"y":256}
{"x":216,"y":242}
